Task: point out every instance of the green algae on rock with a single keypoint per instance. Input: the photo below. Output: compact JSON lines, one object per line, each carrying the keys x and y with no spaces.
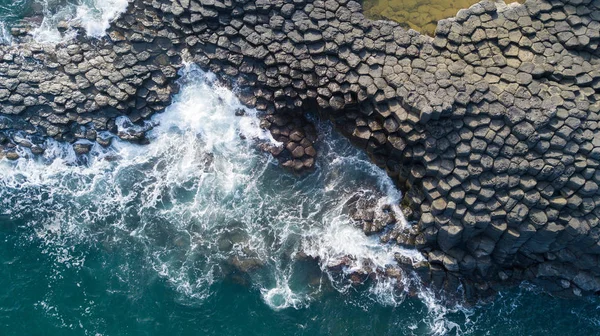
{"x":420,"y":15}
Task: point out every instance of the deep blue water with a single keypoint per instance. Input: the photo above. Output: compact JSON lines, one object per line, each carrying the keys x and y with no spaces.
{"x":198,"y":233}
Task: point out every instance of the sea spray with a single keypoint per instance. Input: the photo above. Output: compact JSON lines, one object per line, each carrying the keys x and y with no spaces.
{"x":201,"y":199}
{"x":94,"y":16}
{"x":201,"y":203}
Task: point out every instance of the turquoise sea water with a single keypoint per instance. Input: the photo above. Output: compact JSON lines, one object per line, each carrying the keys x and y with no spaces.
{"x":14,"y":9}
{"x":199,"y":233}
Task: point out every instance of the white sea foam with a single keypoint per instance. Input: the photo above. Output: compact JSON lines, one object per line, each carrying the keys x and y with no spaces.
{"x":438,"y":318}
{"x":196,"y":147}
{"x":201,"y":201}
{"x":281,"y":296}
{"x":94,"y":16}
{"x":5,"y":36}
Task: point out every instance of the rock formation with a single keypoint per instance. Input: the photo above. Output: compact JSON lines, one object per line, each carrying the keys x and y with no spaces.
{"x":490,"y":127}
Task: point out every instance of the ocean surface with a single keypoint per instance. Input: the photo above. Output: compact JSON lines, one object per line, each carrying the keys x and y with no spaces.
{"x":201,"y":233}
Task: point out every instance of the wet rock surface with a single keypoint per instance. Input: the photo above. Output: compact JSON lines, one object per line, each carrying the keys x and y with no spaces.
{"x":490,"y":127}
{"x":298,"y":138}
{"x":370,"y":215}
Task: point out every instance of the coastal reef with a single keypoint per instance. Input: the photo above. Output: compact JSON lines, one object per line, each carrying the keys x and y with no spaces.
{"x":490,"y":127}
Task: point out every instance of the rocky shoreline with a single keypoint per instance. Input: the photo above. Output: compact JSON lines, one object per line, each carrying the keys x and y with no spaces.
{"x":490,"y":127}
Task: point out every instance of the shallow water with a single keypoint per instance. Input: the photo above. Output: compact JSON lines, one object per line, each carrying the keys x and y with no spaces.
{"x":420,"y":15}
{"x":199,"y":233}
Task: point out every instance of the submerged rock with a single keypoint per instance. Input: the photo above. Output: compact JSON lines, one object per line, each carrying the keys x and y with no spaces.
{"x":297,"y":136}
{"x":12,"y":156}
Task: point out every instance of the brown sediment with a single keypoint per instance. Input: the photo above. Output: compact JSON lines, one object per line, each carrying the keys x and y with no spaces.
{"x":420,"y":15}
